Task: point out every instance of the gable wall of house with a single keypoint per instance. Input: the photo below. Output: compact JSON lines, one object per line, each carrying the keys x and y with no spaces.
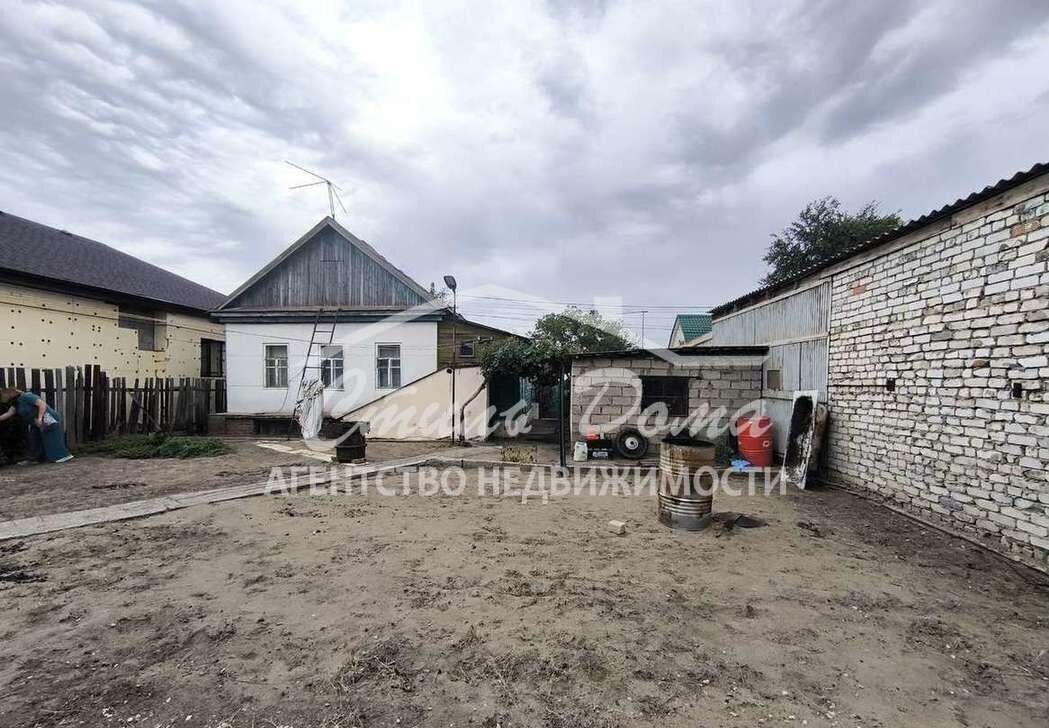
{"x":44,"y":329}
{"x":449,"y":345}
{"x":328,"y":271}
{"x":956,"y":318}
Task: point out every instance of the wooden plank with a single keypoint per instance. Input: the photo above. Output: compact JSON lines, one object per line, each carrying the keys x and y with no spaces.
{"x":135,"y":414}
{"x":49,"y":387}
{"x":86,"y":411}
{"x":57,"y":393}
{"x":69,"y":380}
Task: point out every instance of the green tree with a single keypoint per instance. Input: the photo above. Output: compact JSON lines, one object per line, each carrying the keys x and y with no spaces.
{"x":821,"y":231}
{"x":575,"y":332}
{"x":554,"y":336}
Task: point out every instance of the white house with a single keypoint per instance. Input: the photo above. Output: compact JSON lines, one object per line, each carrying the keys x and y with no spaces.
{"x":331,"y":307}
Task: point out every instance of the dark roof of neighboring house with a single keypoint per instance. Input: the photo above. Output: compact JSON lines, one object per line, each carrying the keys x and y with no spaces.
{"x":694,"y":324}
{"x":681,"y":350}
{"x":928,"y":218}
{"x":38,"y":253}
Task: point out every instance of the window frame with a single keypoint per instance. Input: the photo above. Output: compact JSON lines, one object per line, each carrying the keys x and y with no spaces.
{"x":473,"y":350}
{"x":389,"y":368}
{"x":649,"y":398}
{"x":206,"y":345}
{"x":276,"y":368}
{"x":330,"y":362}
{"x":142,"y":322}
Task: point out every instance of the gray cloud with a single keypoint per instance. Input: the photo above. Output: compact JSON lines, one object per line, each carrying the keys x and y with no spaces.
{"x":567,"y":149}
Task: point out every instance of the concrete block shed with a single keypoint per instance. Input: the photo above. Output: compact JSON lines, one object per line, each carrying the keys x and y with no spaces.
{"x":930,"y":346}
{"x":611,"y":391}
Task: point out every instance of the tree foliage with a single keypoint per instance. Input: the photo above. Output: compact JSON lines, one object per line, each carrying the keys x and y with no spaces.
{"x":821,"y":231}
{"x":554,"y":337}
{"x":575,"y":331}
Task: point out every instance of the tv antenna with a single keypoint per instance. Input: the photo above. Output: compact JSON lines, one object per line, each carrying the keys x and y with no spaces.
{"x":333,"y":189}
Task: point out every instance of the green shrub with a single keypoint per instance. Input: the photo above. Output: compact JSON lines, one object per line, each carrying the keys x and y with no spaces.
{"x":157,"y":445}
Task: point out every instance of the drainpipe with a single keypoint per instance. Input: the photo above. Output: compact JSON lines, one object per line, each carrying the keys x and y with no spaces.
{"x":462,"y":411}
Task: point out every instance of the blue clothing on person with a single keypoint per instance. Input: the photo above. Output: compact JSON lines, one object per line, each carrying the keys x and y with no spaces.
{"x":49,"y":440}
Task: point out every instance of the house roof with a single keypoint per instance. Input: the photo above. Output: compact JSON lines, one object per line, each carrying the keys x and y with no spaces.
{"x":350,"y":237}
{"x":693,"y":325}
{"x":680,"y":350}
{"x":485,"y":327}
{"x":38,"y":253}
{"x":928,"y":218}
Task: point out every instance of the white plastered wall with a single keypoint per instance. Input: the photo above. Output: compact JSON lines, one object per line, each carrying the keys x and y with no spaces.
{"x":423,"y":411}
{"x":245,"y":365}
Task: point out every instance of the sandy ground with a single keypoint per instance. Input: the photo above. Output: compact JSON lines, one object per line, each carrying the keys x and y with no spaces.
{"x":363,"y":610}
{"x":90,"y":482}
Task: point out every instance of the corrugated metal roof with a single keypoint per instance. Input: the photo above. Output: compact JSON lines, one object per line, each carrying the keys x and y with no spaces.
{"x":31,"y":249}
{"x":999,"y":187}
{"x":679,"y":350}
{"x":694,"y":324}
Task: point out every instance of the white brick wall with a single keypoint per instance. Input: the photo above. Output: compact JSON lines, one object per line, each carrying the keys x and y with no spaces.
{"x":956,"y":319}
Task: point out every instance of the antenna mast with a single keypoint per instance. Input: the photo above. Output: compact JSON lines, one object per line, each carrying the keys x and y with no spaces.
{"x":333,"y":189}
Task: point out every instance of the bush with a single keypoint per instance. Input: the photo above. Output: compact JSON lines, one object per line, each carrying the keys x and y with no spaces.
{"x":158,"y":445}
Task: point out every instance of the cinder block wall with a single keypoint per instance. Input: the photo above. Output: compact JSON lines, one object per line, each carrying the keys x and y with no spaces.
{"x":610,"y":389}
{"x":956,"y":318}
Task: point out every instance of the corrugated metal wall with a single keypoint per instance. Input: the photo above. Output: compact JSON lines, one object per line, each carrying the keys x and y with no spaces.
{"x":800,"y":322}
{"x":806,"y":313}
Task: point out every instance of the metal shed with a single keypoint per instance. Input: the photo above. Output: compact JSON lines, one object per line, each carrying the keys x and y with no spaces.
{"x":795,"y":327}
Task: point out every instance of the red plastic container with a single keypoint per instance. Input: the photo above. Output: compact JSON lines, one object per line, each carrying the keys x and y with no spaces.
{"x":755,"y":439}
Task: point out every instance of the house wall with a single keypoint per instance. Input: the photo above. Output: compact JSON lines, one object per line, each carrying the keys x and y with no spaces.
{"x":245,"y":347}
{"x":44,"y":329}
{"x":956,"y":317}
{"x":463,"y":331}
{"x":608,"y":391}
{"x":423,"y":409}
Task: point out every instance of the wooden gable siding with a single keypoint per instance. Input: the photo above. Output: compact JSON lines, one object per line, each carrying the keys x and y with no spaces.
{"x":464,"y":331}
{"x":328,"y":271}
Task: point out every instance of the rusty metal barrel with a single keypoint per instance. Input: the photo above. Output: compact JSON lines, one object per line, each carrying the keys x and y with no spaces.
{"x":686,"y":482}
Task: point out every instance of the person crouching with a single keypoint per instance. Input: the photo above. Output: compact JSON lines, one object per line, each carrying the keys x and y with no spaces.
{"x":43,"y":424}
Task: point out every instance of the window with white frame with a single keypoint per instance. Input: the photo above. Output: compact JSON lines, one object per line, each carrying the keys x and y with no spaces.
{"x":388,"y":366}
{"x":331,"y":367}
{"x":276,"y":365}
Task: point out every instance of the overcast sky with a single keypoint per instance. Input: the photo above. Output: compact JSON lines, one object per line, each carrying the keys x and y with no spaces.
{"x":562,"y":150}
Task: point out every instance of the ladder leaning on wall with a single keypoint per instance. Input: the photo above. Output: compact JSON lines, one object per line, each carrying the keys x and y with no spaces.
{"x":321,"y":329}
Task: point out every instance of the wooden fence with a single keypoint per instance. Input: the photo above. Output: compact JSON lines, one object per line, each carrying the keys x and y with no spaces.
{"x":93,"y":406}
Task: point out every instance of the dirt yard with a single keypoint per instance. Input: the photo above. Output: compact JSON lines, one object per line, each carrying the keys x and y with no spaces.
{"x":364,"y":610}
{"x":90,"y":482}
